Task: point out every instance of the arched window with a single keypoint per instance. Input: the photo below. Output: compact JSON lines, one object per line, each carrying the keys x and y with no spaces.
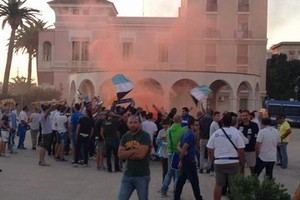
{"x":47,"y":51}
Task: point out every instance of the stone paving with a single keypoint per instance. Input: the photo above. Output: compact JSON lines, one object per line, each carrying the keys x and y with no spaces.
{"x":22,"y":178}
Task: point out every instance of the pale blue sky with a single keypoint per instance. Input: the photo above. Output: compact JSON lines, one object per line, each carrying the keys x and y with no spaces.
{"x":283,"y":22}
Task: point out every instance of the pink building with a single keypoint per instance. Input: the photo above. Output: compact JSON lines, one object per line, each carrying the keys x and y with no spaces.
{"x":221,"y":44}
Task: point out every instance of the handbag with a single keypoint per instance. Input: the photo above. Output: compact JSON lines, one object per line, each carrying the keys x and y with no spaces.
{"x":175,"y":156}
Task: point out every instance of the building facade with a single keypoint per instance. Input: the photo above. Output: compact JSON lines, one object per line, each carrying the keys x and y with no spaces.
{"x":291,"y":49}
{"x":221,"y":44}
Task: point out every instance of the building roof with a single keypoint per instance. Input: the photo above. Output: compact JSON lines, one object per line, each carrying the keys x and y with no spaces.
{"x":285,"y":44}
{"x":80,"y":2}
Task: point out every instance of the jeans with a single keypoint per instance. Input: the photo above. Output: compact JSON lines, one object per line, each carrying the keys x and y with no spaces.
{"x":172,"y":173}
{"x":112,"y":146}
{"x":283,"y":152}
{"x":21,"y":134}
{"x":82,"y":141}
{"x":164,"y":164}
{"x":11,"y":141}
{"x":260,"y":165}
{"x":203,"y":143}
{"x":189,"y":171}
{"x":129,"y":184}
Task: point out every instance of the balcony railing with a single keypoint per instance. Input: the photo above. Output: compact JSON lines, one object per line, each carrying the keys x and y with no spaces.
{"x":211,"y":33}
{"x":241,"y":34}
{"x":80,"y":63}
{"x":212,"y":7}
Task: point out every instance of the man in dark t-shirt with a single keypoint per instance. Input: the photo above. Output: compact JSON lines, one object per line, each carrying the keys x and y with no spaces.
{"x":135,"y":147}
{"x":250,"y":130}
{"x":84,"y":131}
{"x":111,"y":136}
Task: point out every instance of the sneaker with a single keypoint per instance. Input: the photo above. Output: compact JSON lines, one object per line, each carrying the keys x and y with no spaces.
{"x":86,"y":165}
{"x":5,"y":155}
{"x":75,"y":165}
{"x":13,"y":152}
{"x":201,"y":171}
{"x":43,"y":164}
{"x":164,"y":195}
{"x":159,"y":191}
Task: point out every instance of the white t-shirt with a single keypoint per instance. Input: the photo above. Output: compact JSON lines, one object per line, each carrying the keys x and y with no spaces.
{"x":149,"y":127}
{"x":53,"y":116}
{"x":223,"y":147}
{"x":23,"y":116}
{"x":61,"y":120}
{"x":269,"y":138}
{"x":213,"y":127}
{"x":163,"y":149}
{"x":46,"y":124}
{"x":35,"y":121}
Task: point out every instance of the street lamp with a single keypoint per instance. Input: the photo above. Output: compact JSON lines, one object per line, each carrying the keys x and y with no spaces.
{"x":296,"y":89}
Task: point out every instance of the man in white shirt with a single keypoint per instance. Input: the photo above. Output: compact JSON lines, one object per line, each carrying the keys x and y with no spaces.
{"x":227,"y":156}
{"x":214,"y":126}
{"x":150,"y":127}
{"x":55,"y":137}
{"x":62,"y":125}
{"x":46,"y":133}
{"x":34,"y":126}
{"x":23,"y":127}
{"x":266,"y":147}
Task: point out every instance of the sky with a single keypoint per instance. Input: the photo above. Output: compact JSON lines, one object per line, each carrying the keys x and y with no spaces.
{"x":283,"y":23}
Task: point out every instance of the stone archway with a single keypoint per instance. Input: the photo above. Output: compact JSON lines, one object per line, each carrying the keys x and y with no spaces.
{"x":147,"y":92}
{"x":180,"y":94}
{"x":86,"y":87}
{"x":108,"y":92}
{"x":219,"y":99}
{"x":245,"y":96}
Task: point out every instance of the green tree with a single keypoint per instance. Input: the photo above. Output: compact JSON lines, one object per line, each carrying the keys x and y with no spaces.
{"x":282,"y":77}
{"x":27,"y":39}
{"x":13,"y":14}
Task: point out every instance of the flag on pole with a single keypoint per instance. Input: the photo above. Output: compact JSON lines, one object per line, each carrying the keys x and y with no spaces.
{"x":122,"y":84}
{"x":198,"y":93}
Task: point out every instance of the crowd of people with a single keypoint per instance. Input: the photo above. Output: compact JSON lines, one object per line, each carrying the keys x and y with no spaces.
{"x":211,"y":142}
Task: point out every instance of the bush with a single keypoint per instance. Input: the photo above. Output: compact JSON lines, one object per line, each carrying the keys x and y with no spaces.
{"x":250,"y":188}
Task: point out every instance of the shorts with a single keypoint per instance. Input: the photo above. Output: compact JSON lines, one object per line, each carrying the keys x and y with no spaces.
{"x":46,"y":140}
{"x":224,"y":171}
{"x":250,"y":158}
{"x":101,"y":148}
{"x":4,"y":136}
{"x":56,"y":136}
{"x":63,"y":138}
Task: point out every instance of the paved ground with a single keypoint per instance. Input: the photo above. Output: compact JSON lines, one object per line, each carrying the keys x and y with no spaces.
{"x":22,"y":178}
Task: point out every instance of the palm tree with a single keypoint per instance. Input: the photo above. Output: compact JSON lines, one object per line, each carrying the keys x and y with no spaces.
{"x":13,"y":14}
{"x":27,"y":42}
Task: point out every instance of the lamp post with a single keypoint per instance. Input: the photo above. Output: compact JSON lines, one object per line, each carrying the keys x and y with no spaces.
{"x":296,"y":89}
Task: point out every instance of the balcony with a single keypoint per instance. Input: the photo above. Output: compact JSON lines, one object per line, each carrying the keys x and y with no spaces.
{"x":211,"y":7}
{"x":211,"y":33}
{"x":244,"y":8}
{"x":243,"y":34}
{"x":79,"y":63}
